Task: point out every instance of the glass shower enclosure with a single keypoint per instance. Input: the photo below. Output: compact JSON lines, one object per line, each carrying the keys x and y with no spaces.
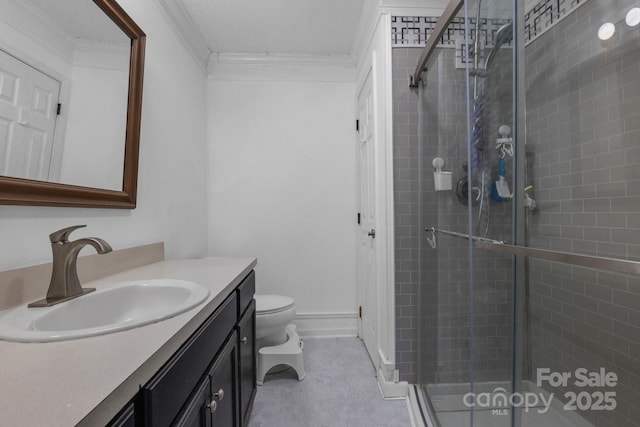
{"x":528,"y":206}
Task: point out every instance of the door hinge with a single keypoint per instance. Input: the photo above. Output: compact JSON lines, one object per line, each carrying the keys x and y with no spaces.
{"x":358,"y":218}
{"x":360,"y":312}
{"x":59,"y":109}
{"x":357,"y":125}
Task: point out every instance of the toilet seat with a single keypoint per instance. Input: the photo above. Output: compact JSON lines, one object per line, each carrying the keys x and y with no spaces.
{"x":270,"y":304}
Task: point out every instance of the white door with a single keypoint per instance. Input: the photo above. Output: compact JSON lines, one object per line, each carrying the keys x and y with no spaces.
{"x":367,"y":242}
{"x":28,"y":110}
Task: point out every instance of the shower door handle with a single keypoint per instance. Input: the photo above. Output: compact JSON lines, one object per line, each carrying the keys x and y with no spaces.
{"x":372,"y":233}
{"x":590,"y":261}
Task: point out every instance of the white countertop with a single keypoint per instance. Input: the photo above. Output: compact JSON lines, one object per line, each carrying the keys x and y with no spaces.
{"x":87,"y":381}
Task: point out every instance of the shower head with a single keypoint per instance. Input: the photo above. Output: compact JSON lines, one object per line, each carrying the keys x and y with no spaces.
{"x":503,"y":35}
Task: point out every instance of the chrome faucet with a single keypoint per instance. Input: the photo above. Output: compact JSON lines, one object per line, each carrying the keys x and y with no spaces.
{"x":65,"y":284}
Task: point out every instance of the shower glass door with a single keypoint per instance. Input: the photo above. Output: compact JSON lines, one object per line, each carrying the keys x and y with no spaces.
{"x":580,"y":335}
{"x":466,"y":101}
{"x":529,"y":270}
{"x":492,"y":157}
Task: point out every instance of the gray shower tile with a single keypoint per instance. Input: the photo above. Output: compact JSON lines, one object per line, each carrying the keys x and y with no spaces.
{"x":624,"y":173}
{"x":597,"y":234}
{"x":611,"y":220}
{"x":597,"y":205}
{"x":632,"y":123}
{"x":614,"y":311}
{"x":612,"y":250}
{"x":584,"y":219}
{"x":626,"y":299}
{"x":586,"y":303}
{"x":621,"y":235}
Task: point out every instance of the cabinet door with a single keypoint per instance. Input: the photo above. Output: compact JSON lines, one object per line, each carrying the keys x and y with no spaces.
{"x":169,"y":389}
{"x":197,"y":409}
{"x":247,"y":345}
{"x":224,"y":411}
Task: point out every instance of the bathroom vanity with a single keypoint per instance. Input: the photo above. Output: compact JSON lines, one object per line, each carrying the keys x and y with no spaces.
{"x":210,"y":380}
{"x":195,"y":369}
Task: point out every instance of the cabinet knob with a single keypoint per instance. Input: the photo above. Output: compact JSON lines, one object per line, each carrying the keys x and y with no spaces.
{"x":219,"y":395}
{"x":244,"y":340}
{"x":213,"y":406}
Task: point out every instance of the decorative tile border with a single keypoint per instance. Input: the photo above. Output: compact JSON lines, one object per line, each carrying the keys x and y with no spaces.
{"x":407,"y":31}
{"x":413,"y":31}
{"x":545,"y":14}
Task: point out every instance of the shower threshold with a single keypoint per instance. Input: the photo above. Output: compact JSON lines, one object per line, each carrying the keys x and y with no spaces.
{"x":448,"y":403}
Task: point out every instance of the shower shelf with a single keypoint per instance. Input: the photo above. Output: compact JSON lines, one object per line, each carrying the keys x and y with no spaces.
{"x":614,"y":265}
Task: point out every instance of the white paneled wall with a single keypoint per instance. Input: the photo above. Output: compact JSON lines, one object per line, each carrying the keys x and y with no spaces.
{"x":281,"y":187}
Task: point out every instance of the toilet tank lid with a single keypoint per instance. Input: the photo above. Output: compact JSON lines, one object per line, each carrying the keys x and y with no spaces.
{"x":272,"y":303}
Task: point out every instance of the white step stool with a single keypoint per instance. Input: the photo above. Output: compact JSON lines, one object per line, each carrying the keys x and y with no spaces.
{"x":289,"y":353}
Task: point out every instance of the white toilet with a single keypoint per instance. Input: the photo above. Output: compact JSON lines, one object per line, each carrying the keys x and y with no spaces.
{"x":273,"y":314}
{"x":277,"y":341}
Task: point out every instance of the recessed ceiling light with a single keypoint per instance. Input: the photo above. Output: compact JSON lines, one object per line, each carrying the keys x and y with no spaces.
{"x":633,"y":17}
{"x":606,"y":30}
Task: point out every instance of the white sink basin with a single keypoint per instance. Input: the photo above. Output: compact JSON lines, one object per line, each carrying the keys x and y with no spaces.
{"x":109,"y":309}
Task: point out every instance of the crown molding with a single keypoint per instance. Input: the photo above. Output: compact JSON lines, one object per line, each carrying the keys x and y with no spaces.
{"x":186,"y":31}
{"x":261,"y":67}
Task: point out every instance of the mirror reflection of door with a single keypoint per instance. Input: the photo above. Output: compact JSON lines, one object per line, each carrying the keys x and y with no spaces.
{"x":77,"y":44}
{"x":28,"y":110}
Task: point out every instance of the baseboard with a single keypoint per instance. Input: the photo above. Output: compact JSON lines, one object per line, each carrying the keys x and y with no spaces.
{"x":316,"y":325}
{"x":391,"y":389}
{"x":388,"y":368}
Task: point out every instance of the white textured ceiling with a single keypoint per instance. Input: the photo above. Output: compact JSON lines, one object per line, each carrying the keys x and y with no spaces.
{"x":308,"y":27}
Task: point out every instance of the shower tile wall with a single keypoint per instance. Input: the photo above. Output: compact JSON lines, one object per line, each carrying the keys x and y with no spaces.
{"x":583,"y":145}
{"x":432,"y":324}
{"x":406,"y":164}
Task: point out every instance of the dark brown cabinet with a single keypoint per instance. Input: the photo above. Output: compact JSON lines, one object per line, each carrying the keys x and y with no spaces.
{"x":197,"y":409}
{"x":215,"y":401}
{"x":211,"y":380}
{"x":224,"y":389}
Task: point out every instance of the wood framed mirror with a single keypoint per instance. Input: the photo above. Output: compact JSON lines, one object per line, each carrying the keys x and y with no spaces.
{"x":24,"y":191}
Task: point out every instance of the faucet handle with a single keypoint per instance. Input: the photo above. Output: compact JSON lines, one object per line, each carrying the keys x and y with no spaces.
{"x":61,"y":236}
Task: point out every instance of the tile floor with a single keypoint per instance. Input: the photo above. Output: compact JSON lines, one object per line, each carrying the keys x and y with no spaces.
{"x":339,"y":390}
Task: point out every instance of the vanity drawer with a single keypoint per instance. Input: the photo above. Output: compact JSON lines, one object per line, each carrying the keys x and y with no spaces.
{"x":168,"y":390}
{"x":246,"y":289}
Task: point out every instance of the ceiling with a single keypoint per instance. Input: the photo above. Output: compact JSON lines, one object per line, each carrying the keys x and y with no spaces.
{"x":305,"y":27}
